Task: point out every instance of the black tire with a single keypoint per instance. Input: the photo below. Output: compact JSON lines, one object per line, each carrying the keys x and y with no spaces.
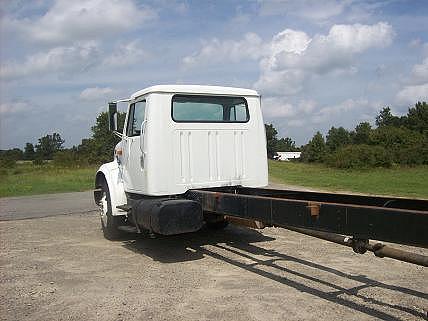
{"x":215,"y":222}
{"x":110,"y":227}
{"x":217,"y":225}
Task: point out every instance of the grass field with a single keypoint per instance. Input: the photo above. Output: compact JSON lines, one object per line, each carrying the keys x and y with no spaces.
{"x":407,"y":181}
{"x":27,"y":179}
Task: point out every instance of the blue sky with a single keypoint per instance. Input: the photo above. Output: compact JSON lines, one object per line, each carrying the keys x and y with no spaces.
{"x":316,"y":64}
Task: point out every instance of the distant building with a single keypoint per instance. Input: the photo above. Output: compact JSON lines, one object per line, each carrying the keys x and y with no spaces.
{"x":286,"y":156}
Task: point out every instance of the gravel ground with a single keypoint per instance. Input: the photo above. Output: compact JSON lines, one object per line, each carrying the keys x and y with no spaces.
{"x":61,"y":268}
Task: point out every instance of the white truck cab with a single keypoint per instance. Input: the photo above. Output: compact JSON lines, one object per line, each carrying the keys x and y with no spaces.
{"x":177,"y":138}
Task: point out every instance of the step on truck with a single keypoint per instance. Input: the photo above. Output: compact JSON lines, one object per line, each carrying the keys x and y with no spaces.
{"x":191,"y":156}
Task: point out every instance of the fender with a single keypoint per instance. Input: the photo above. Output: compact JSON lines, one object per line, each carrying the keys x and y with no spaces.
{"x":113,"y":176}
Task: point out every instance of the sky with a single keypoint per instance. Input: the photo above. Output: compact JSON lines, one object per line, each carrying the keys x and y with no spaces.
{"x":315,"y":63}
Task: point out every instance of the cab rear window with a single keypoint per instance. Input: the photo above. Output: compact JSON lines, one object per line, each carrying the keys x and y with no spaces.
{"x":209,"y":109}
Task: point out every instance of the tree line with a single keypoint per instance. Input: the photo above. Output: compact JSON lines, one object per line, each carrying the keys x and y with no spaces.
{"x":399,"y":140}
{"x":94,"y":150}
{"x":393,"y":140}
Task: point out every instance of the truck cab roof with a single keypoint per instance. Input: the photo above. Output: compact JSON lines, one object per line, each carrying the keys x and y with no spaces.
{"x":196,"y":89}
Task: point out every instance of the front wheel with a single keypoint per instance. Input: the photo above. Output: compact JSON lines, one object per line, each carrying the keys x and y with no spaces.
{"x":109,"y":223}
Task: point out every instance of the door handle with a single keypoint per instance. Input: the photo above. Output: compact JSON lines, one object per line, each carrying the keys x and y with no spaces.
{"x":142,"y":159}
{"x":142,"y":130}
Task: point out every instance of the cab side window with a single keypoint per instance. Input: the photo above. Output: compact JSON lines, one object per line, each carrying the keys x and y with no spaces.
{"x":136,"y":117}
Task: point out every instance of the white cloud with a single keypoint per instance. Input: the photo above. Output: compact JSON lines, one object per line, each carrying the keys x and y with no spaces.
{"x":126,"y":54}
{"x":411,"y":94}
{"x":274,"y":107}
{"x":80,"y":20}
{"x":65,"y":60}
{"x":13,"y":107}
{"x":415,"y":43}
{"x":279,"y":107}
{"x":280,"y":83}
{"x":345,"y":107}
{"x":310,"y":112}
{"x":334,"y":50}
{"x":420,"y":71}
{"x":96,"y":93}
{"x":416,"y":85}
{"x":319,"y":10}
{"x":216,"y":51}
{"x":294,"y":56}
{"x":296,"y":122}
{"x":307,"y":106}
{"x":357,"y":38}
{"x":289,"y":41}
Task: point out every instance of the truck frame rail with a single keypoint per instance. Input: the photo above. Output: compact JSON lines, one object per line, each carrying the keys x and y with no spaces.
{"x":326,"y":215}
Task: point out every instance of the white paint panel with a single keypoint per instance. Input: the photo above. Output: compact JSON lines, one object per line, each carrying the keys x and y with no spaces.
{"x":207,"y":156}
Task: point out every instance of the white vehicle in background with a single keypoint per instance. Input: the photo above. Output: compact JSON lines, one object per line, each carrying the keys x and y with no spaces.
{"x":286,"y":156}
{"x":177,"y":138}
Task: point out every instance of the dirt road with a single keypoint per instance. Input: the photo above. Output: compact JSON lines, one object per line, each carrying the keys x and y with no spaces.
{"x":61,"y":268}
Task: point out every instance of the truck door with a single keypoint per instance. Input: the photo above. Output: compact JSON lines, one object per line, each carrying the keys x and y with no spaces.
{"x":133,"y":164}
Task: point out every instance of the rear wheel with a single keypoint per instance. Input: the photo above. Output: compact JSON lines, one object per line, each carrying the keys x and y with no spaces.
{"x":109,"y":223}
{"x":217,"y":225}
{"x":215,"y":222}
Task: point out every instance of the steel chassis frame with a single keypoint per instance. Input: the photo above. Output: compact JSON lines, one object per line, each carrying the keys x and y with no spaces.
{"x":328,"y":216}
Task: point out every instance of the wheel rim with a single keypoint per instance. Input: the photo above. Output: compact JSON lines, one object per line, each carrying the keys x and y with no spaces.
{"x":103,"y":208}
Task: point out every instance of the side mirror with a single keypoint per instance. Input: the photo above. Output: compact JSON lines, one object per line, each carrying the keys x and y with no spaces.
{"x":112,"y":116}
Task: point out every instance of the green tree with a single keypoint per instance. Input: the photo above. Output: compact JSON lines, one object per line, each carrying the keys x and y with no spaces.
{"x":362,"y":133}
{"x":417,"y":117}
{"x":285,"y":144}
{"x":396,"y":140}
{"x":9,"y":157}
{"x":315,"y":150}
{"x":86,"y":151}
{"x":416,"y":154}
{"x":386,"y":118}
{"x":66,"y":158}
{"x":99,"y":148}
{"x":48,"y":145}
{"x":336,"y":138}
{"x":359,"y":156}
{"x":12,"y":154}
{"x":29,"y":152}
{"x":271,"y":139}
